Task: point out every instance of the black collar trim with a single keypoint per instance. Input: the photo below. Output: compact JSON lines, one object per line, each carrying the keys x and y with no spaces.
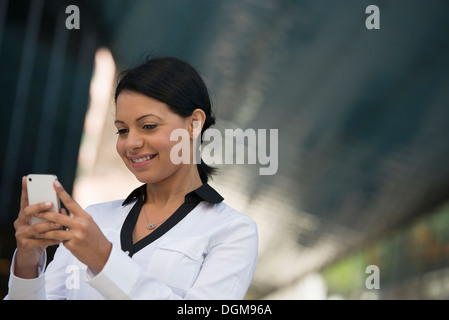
{"x":205,"y":192}
{"x":192,"y":199}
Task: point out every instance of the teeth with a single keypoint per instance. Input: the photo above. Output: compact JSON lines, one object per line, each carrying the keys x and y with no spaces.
{"x":143,"y":159}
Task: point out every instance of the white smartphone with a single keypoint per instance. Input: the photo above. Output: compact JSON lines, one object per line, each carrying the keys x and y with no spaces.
{"x":40,"y":189}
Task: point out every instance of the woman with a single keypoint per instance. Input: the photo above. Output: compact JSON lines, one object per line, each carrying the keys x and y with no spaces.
{"x":171,"y":238}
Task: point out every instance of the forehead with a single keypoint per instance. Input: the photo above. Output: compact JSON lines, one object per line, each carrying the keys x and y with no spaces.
{"x":131,"y":105}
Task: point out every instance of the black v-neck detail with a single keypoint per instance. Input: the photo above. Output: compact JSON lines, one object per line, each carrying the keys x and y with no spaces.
{"x":192,"y":199}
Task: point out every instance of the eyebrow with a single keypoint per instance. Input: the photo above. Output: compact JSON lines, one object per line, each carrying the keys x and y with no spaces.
{"x":140,"y":118}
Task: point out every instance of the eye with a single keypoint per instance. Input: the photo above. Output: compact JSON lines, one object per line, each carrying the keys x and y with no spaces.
{"x":150,"y":126}
{"x":122,"y":131}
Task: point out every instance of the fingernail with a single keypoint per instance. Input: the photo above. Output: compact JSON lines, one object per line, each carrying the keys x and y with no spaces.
{"x":48,"y":203}
{"x":57,"y":184}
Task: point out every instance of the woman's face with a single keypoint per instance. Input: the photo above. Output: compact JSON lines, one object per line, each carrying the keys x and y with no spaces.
{"x":144,"y":126}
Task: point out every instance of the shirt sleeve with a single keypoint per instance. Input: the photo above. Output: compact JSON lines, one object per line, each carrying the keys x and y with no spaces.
{"x":27,"y":289}
{"x":226,"y":273}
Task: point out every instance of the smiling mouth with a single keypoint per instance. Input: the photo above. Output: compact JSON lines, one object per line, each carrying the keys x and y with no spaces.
{"x":142,"y":159}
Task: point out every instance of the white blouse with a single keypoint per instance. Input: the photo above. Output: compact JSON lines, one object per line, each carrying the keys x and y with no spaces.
{"x":211,"y":253}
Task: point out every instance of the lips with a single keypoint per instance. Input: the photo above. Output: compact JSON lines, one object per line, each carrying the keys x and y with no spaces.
{"x":141,"y":160}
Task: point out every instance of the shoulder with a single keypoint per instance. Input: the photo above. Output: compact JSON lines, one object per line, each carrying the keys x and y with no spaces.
{"x":106,"y":212}
{"x":227,"y":211}
{"x":99,"y":208}
{"x":225,"y":216}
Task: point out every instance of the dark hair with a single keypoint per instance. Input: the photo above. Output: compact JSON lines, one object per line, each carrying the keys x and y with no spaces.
{"x":176,"y":83}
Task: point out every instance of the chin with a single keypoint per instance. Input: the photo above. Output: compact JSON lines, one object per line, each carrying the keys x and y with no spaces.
{"x":147,"y":178}
{"x":151,"y":178}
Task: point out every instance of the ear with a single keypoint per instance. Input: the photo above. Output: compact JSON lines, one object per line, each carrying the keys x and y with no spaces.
{"x":196,"y":123}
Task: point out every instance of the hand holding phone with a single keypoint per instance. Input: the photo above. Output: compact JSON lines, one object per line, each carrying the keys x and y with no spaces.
{"x":40,"y":189}
{"x":80,"y":234}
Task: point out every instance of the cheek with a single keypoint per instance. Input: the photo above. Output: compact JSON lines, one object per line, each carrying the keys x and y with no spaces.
{"x":162,"y":144}
{"x":163,"y":147}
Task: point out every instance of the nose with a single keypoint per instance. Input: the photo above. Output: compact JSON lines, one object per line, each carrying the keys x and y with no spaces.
{"x":134,"y":141}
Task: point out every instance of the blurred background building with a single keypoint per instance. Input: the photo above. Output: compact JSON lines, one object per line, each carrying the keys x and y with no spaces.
{"x":362,"y":117}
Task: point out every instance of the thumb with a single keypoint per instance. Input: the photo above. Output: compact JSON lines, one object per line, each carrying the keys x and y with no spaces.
{"x":73,"y":208}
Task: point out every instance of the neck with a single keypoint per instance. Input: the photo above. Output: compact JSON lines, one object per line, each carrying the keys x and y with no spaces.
{"x":174,"y":188}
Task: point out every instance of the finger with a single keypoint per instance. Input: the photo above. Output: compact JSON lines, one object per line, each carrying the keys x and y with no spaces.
{"x":24,"y":197}
{"x":64,"y":212}
{"x":69,"y":203}
{"x":57,"y":235}
{"x":43,"y":242}
{"x":43,"y":227}
{"x":31,"y":232}
{"x":33,"y":210}
{"x":54,"y":217}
